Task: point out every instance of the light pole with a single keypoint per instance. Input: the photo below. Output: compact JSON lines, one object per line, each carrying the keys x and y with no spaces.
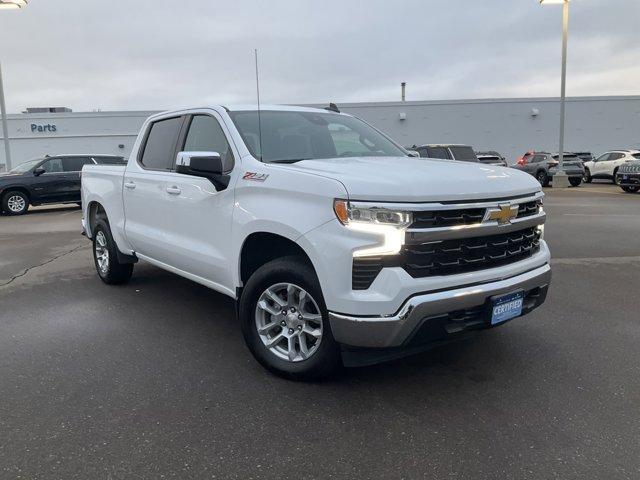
{"x":7,"y":5}
{"x":560,"y":179}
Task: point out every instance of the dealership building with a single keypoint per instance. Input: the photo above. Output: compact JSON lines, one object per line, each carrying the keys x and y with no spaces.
{"x":510,"y":126}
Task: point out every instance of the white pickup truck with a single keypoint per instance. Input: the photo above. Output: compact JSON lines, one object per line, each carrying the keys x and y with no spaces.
{"x":338,"y":248}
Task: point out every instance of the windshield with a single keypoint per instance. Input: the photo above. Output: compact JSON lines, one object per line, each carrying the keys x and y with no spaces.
{"x":288,"y":137}
{"x":26,"y":166}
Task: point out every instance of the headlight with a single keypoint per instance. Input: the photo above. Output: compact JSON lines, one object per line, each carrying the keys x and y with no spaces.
{"x":387,"y":224}
{"x":350,"y":213}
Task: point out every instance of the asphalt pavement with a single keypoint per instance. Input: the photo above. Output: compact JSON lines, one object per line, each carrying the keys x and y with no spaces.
{"x":152,"y":379}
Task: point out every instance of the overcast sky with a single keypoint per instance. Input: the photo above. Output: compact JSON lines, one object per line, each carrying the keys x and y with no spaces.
{"x":157,"y":54}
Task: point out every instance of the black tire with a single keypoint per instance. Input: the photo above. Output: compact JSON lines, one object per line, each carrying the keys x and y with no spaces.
{"x":115,"y":273}
{"x":15,"y":202}
{"x":587,"y":176}
{"x":326,"y":360}
{"x":575,"y":181}
{"x":615,"y":174}
{"x":630,"y":189}
{"x":543,"y":178}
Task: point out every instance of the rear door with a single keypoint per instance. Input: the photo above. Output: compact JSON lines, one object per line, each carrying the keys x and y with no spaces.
{"x":144,"y":190}
{"x":72,"y":166}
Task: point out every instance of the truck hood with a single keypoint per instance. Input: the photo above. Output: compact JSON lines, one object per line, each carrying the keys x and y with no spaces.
{"x":404,"y":179}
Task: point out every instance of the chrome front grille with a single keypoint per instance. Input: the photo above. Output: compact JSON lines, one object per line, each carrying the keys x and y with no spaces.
{"x":450,"y":239}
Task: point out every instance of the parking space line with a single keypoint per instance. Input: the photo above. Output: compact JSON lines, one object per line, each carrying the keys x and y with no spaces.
{"x":600,"y":215}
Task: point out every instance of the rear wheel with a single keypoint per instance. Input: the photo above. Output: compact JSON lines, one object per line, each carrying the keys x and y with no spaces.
{"x":615,"y":177}
{"x":575,"y":181}
{"x":630,"y":189}
{"x":285,"y":322}
{"x":587,"y":176}
{"x":105,"y":256}
{"x":543,"y":178}
{"x":15,"y":202}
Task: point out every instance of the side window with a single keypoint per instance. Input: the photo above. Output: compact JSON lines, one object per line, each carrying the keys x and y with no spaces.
{"x":616,"y":156}
{"x":438,"y":152}
{"x":206,"y":135}
{"x":603,"y":158}
{"x":537,"y":158}
{"x":53,"y":165}
{"x":422,"y":152}
{"x":161,"y":143}
{"x":74,"y":164}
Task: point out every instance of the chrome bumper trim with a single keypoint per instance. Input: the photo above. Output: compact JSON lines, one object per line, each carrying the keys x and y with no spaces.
{"x":394,"y":330}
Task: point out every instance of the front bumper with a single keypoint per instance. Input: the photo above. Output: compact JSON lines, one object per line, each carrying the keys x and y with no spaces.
{"x":631,"y":180}
{"x":438,"y":316}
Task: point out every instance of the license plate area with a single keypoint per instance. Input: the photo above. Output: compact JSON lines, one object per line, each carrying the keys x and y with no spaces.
{"x":507,"y":306}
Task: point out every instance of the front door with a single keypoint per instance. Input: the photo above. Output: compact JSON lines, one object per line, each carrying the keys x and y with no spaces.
{"x":199,"y":216}
{"x":599,"y":165}
{"x":52,"y":185}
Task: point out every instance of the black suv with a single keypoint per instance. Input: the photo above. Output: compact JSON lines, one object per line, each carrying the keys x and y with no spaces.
{"x":54,"y":179}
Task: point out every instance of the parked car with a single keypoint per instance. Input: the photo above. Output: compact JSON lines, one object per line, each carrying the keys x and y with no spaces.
{"x":544,"y":166}
{"x":463,"y":153}
{"x":491,"y":158}
{"x":606,"y":165}
{"x":628,"y":176}
{"x":336,"y":246}
{"x":54,"y":179}
{"x":584,"y":156}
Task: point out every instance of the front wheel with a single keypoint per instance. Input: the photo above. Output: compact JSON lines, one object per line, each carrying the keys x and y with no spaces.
{"x":587,"y":176}
{"x":15,"y":202}
{"x":285,"y":322}
{"x":615,"y":177}
{"x":575,"y":181}
{"x":630,"y":189}
{"x":105,"y":256}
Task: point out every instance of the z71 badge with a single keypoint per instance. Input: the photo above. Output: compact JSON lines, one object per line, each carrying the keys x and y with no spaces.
{"x":256,"y":177}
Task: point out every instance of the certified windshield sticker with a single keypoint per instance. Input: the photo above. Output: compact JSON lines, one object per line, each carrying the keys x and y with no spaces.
{"x":256,"y":177}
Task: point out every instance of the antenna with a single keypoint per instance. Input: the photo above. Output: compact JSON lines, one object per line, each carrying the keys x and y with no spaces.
{"x":255,"y":51}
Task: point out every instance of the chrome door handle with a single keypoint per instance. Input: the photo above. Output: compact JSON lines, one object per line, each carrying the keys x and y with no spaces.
{"x":130,"y":185}
{"x":174,"y":190}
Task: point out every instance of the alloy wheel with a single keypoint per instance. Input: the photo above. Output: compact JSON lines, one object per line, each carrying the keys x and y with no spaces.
{"x":16,"y":203}
{"x":102,"y":252}
{"x":289,"y":322}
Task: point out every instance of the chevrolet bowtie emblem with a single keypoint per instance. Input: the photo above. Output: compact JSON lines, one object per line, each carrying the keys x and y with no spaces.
{"x":503,"y":214}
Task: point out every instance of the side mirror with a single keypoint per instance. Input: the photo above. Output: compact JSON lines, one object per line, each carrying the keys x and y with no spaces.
{"x":203,"y":164}
{"x":39,"y":171}
{"x":413,"y":153}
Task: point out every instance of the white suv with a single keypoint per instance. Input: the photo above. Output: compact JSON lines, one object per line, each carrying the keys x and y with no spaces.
{"x":607,"y":164}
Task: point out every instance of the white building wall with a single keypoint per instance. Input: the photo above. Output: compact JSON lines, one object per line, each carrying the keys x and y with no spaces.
{"x":595,"y":124}
{"x":59,"y":133}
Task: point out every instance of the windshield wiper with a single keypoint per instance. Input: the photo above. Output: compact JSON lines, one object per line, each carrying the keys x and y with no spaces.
{"x":289,"y":160}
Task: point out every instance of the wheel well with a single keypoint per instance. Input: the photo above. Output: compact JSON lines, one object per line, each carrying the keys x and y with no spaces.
{"x":18,"y":189}
{"x":262,"y":247}
{"x":96,"y":211}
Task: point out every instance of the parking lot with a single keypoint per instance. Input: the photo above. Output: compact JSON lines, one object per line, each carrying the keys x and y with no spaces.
{"x":152,"y":379}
